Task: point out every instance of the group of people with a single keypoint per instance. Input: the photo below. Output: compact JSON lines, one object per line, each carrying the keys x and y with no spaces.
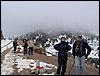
{"x":78,"y":51}
{"x":26,"y":44}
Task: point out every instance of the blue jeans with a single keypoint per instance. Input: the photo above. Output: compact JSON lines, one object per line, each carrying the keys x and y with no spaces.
{"x":79,"y":65}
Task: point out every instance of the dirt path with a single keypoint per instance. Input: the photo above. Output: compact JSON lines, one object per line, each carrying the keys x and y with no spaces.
{"x":89,"y":70}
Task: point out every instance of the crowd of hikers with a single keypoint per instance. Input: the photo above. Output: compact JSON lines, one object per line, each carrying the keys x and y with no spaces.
{"x":27,"y":46}
{"x":78,"y":51}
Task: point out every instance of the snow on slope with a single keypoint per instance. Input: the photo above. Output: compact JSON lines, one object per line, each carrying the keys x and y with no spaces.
{"x":5,"y":42}
{"x":48,"y":54}
{"x":51,"y":50}
{"x":94,"y":53}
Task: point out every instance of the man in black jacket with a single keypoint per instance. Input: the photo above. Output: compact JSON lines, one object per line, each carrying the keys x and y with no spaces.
{"x":15,"y":44}
{"x":62,"y":49}
{"x":25,"y":46}
{"x":79,"y":53}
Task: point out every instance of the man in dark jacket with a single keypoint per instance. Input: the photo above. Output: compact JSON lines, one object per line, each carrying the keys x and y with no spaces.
{"x":25,"y":46}
{"x":79,"y":53}
{"x":15,"y":44}
{"x":62,"y":49}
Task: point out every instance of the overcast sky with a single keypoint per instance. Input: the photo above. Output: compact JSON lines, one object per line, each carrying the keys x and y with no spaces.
{"x":18,"y":17}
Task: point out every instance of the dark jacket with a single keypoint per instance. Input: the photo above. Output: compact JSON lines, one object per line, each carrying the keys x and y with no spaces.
{"x":62,"y":49}
{"x":79,"y":53}
{"x":25,"y":45}
{"x":15,"y":43}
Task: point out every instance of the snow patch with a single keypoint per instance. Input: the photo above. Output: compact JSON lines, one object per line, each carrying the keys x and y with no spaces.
{"x":51,"y":50}
{"x":5,"y":42}
{"x":6,"y":66}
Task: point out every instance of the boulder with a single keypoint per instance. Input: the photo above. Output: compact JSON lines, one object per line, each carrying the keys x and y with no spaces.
{"x":39,"y":50}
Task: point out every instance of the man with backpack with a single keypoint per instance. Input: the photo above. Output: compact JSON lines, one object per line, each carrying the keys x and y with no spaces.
{"x":62,"y":48}
{"x":79,"y":53}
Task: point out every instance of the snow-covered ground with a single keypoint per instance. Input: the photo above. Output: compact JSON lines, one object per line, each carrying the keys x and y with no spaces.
{"x":94,"y":53}
{"x":8,"y":62}
{"x":51,"y":50}
{"x":30,"y":63}
{"x":53,"y":73}
{"x":5,"y":42}
{"x":12,"y":58}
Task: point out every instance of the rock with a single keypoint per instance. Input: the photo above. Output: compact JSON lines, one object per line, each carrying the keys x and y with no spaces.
{"x":39,"y":50}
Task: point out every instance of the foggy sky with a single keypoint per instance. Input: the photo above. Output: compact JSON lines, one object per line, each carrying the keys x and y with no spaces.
{"x":18,"y":17}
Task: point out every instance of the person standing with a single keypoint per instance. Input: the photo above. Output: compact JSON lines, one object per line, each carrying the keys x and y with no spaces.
{"x":15,"y":44}
{"x":25,"y":46}
{"x":79,"y":54}
{"x":30,"y":44}
{"x":62,"y":48}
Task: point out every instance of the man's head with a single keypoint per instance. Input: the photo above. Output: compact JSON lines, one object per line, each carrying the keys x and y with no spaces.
{"x":63,"y":38}
{"x":30,"y":38}
{"x":79,"y":38}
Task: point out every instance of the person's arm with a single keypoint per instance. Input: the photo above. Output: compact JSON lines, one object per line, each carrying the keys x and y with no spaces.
{"x":69,"y":48}
{"x":73,"y":50}
{"x":88,"y":49}
{"x":56,"y":47}
{"x":23,"y":44}
{"x":32,"y":43}
{"x":26,"y":44}
{"x":13,"y":43}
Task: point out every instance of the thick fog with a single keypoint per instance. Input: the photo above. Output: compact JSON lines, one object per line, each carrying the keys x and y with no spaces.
{"x":18,"y":17}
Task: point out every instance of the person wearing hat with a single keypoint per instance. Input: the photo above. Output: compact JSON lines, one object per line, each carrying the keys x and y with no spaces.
{"x":63,"y":47}
{"x":79,"y":54}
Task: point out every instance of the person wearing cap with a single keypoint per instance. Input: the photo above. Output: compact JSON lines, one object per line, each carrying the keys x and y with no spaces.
{"x":62,"y":48}
{"x":79,"y":54}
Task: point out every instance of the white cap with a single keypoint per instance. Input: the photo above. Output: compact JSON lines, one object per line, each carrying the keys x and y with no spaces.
{"x":62,"y":36}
